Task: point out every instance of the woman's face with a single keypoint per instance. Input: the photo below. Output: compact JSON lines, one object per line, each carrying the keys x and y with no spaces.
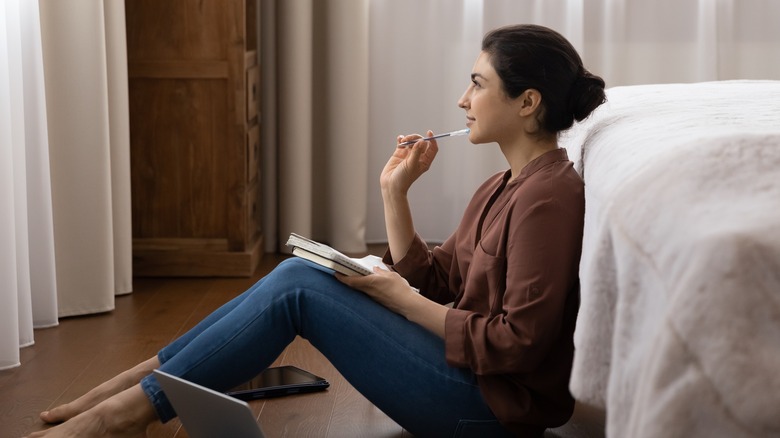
{"x":490,"y":114}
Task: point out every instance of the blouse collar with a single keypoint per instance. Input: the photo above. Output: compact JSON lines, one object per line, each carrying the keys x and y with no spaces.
{"x":537,"y":163}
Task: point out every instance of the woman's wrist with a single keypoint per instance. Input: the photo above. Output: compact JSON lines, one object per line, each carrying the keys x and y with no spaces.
{"x":426,"y":313}
{"x":393,"y":190}
{"x":393,"y":194}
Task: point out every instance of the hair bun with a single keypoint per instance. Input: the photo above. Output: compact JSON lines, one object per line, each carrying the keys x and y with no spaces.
{"x":531,"y":56}
{"x":586,"y":94}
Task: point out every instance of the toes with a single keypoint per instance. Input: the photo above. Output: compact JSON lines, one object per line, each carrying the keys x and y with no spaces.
{"x":53,"y":416}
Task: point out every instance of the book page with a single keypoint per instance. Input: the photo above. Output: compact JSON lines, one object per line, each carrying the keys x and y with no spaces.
{"x":370,"y":261}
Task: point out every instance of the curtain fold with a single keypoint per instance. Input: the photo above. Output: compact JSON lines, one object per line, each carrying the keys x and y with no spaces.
{"x":40,"y":234}
{"x":27,"y":273}
{"x":320,"y":121}
{"x":341,"y":123}
{"x":119,"y":145}
{"x":295,"y":116}
{"x":64,"y":171}
{"x":77,"y":87}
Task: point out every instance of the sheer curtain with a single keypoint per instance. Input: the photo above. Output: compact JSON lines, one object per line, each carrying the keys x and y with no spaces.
{"x":421,"y":54}
{"x":64,"y":169}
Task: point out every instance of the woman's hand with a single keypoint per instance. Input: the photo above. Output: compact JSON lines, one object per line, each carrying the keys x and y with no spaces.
{"x":408,"y":163}
{"x":385,"y":287}
{"x":394,"y":292}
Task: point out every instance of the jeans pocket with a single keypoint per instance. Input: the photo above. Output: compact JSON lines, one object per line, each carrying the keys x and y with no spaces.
{"x":480,"y":428}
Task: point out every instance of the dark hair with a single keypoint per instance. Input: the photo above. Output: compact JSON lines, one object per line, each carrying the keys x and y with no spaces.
{"x":531,"y":56}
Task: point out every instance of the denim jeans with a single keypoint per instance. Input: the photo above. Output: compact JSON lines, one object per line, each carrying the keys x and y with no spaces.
{"x":396,"y":364}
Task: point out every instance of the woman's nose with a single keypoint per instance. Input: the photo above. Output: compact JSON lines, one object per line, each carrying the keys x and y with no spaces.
{"x":463,"y":101}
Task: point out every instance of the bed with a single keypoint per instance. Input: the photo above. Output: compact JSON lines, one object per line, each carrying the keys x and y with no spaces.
{"x":678,"y":333}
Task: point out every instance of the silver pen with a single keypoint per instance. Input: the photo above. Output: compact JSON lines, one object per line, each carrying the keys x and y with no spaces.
{"x":446,"y":134}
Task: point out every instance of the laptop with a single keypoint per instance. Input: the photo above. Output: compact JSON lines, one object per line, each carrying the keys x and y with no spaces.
{"x":205,"y":413}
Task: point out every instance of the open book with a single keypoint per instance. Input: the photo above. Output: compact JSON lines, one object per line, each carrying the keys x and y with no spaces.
{"x":328,"y":257}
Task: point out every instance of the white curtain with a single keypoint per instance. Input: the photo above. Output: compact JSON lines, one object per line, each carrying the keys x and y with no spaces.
{"x":65,"y":237}
{"x":421,"y":54}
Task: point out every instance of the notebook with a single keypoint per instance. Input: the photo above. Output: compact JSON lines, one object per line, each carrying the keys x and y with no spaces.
{"x":330,"y":258}
{"x":205,"y":413}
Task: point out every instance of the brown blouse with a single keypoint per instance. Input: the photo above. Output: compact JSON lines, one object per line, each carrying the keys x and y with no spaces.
{"x":511,"y":269}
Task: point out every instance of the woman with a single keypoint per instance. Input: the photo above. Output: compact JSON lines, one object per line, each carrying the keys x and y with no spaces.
{"x":497,"y":362}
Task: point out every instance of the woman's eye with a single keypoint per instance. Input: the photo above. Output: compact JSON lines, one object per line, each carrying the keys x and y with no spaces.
{"x":476,"y":84}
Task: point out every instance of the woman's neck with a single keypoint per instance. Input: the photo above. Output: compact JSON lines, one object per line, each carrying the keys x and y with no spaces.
{"x":525,"y":150}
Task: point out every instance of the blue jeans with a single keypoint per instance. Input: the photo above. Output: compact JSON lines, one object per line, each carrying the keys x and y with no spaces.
{"x":396,"y":364}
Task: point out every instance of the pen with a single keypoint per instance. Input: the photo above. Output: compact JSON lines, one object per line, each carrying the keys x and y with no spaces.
{"x":446,"y":134}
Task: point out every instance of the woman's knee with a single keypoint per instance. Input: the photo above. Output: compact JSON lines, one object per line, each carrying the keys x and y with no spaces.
{"x":296,"y":273}
{"x":294,"y":267}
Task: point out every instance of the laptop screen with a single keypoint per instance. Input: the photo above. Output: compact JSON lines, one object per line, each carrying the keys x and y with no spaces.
{"x":205,"y":413}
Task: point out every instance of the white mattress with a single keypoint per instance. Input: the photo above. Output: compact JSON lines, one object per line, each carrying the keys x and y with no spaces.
{"x":679,"y":327}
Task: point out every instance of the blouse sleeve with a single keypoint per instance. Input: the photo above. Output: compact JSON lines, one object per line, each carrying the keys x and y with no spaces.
{"x":425,"y":269}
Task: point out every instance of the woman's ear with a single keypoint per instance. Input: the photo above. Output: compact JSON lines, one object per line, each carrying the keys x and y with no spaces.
{"x":530,"y":101}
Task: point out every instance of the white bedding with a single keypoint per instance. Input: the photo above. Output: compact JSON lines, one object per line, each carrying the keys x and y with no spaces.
{"x":679,"y":328}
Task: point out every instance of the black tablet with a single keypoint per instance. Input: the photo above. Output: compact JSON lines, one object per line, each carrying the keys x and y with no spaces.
{"x":279,"y":381}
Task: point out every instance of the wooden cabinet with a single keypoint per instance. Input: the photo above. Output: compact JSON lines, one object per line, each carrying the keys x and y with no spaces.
{"x":194,"y":136}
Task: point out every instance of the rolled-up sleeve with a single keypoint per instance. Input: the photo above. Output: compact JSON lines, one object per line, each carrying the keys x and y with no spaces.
{"x":426,"y":270}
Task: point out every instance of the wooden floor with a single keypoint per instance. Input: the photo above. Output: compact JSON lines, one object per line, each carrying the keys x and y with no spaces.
{"x":82,"y":352}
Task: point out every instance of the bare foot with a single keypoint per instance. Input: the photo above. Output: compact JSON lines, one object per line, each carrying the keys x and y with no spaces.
{"x":124,"y":415}
{"x":101,"y":392}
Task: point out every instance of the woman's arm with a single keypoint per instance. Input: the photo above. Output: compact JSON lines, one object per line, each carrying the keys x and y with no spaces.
{"x":403,"y":169}
{"x":386,"y":287}
{"x":398,"y":222}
